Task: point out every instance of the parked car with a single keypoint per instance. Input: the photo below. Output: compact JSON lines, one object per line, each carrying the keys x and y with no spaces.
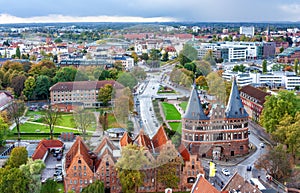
{"x":58,"y":166}
{"x":57,"y":173}
{"x":249,"y":168}
{"x":262,"y":145}
{"x":59,"y":157}
{"x":58,"y":178}
{"x":225,"y":172}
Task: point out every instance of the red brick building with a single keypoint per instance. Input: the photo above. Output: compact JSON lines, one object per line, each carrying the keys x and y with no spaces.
{"x":44,"y":147}
{"x":253,"y":100}
{"x":289,"y":55}
{"x":220,"y":134}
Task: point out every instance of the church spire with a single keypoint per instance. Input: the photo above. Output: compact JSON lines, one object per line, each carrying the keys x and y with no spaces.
{"x":235,"y":107}
{"x":194,"y":110}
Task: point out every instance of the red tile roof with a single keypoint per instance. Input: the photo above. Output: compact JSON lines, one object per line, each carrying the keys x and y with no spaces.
{"x":125,"y":140}
{"x":184,"y":152}
{"x":255,"y":93}
{"x":43,"y":147}
{"x":143,"y":140}
{"x":83,"y":85}
{"x":203,"y":186}
{"x":160,"y":138}
{"x":105,"y":143}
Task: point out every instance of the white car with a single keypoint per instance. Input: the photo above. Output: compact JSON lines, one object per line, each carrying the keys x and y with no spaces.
{"x":262,"y":145}
{"x":225,"y":172}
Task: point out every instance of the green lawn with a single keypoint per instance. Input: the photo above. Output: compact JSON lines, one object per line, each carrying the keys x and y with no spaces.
{"x":170,"y":111}
{"x":176,"y":126}
{"x":34,"y":128}
{"x":112,"y":121}
{"x":183,"y":105}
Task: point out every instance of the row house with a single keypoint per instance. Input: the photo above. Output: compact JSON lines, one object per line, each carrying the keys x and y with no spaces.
{"x":82,"y":166}
{"x":221,"y":133}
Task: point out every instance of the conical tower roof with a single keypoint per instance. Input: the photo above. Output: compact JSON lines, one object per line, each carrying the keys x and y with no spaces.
{"x":235,"y":107}
{"x":194,"y":109}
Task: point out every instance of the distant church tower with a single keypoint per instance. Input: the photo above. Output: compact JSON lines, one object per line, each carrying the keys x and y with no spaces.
{"x":220,"y":134}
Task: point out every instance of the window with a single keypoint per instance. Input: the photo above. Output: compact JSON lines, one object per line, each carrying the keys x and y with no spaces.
{"x":75,"y":181}
{"x":74,"y":167}
{"x":85,"y":181}
{"x":84,"y":167}
{"x":70,"y":181}
{"x":81,"y":181}
{"x":79,"y":167}
{"x":75,"y":174}
{"x":79,"y":161}
{"x":84,"y":173}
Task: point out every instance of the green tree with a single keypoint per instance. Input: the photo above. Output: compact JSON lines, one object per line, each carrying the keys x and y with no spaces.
{"x":281,"y":49}
{"x":58,"y":40}
{"x":66,"y":74}
{"x":209,"y":57}
{"x":29,"y":88}
{"x":95,"y":187}
{"x":42,"y":87}
{"x":17,"y":157}
{"x":165,"y":56}
{"x":139,"y":73}
{"x":187,"y":54}
{"x":127,"y":80}
{"x":15,"y":112}
{"x":202,"y":68}
{"x":190,"y":66}
{"x":13,"y":180}
{"x":278,"y":106}
{"x":3,"y":131}
{"x":17,"y":83}
{"x":131,"y":175}
{"x":154,"y":54}
{"x":264,"y":66}
{"x":105,"y":94}
{"x":32,"y":170}
{"x":135,"y":57}
{"x":103,"y":119}
{"x":83,"y":120}
{"x":276,"y":163}
{"x":51,"y":117}
{"x":168,"y":163}
{"x":296,"y":65}
{"x":18,"y":53}
{"x":144,"y":56}
{"x":216,"y":87}
{"x":239,"y":68}
{"x":50,"y":186}
{"x":45,"y":67}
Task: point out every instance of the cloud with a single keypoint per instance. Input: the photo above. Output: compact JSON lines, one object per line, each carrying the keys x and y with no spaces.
{"x":290,"y":8}
{"x":53,"y":18}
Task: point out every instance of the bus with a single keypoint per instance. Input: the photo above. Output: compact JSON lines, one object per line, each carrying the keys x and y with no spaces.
{"x":257,"y":183}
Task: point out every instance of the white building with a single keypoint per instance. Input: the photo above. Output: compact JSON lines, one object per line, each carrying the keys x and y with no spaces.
{"x":242,"y":79}
{"x":247,"y":31}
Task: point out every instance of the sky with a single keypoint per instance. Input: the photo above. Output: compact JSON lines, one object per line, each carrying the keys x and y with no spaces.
{"x":30,"y":11}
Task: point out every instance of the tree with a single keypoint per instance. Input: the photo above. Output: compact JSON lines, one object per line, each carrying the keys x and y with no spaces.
{"x":58,"y":40}
{"x":105,"y":94}
{"x":103,"y":119}
{"x":139,"y":73}
{"x":17,"y":157}
{"x":95,"y":187}
{"x":187,"y":54}
{"x":216,"y":87}
{"x":29,"y":87}
{"x":51,"y":117}
{"x":127,"y":80}
{"x":131,"y":175}
{"x":50,"y":186}
{"x":278,"y":106}
{"x":239,"y":68}
{"x":3,"y":131}
{"x":18,"y":53}
{"x":277,"y":67}
{"x":42,"y":87}
{"x":32,"y":170}
{"x":135,"y":57}
{"x":296,"y":65}
{"x":144,"y":56}
{"x":15,"y":112}
{"x":44,"y":67}
{"x":168,"y":163}
{"x":200,"y":81}
{"x":17,"y":83}
{"x":275,"y":163}
{"x":281,"y":49}
{"x":264,"y":66}
{"x":66,"y":74}
{"x":202,"y":68}
{"x":190,"y":66}
{"x":83,"y":120}
{"x":13,"y":180}
{"x":165,"y":56}
{"x":209,"y":57}
{"x":154,"y":54}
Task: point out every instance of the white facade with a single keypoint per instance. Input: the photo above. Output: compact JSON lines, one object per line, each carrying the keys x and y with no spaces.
{"x":247,"y":31}
{"x":242,"y":79}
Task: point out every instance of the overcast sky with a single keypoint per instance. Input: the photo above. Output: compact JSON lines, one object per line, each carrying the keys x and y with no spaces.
{"x":15,"y":11}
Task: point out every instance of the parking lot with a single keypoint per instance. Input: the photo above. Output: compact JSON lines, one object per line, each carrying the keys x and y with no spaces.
{"x":50,"y":162}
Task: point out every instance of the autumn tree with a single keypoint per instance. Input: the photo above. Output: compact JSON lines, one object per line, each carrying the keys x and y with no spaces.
{"x":135,"y":57}
{"x":103,"y":119}
{"x":83,"y":120}
{"x":105,"y":94}
{"x":202,"y":68}
{"x":187,"y":54}
{"x":17,"y":157}
{"x":131,"y":175}
{"x":32,"y":170}
{"x":15,"y":112}
{"x":51,"y":117}
{"x":95,"y":187}
{"x":209,"y":57}
{"x":168,"y":165}
{"x":17,"y":83}
{"x":278,"y":106}
{"x":201,"y":81}
{"x":276,"y":163}
{"x":216,"y":86}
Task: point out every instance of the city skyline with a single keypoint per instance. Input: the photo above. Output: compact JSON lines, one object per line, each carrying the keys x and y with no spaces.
{"x":34,"y":11}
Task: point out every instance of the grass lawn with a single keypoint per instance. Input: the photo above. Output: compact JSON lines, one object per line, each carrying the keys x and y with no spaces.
{"x":170,"y":111}
{"x":176,"y":126}
{"x":183,"y":105}
{"x":34,"y":128}
{"x":112,"y":121}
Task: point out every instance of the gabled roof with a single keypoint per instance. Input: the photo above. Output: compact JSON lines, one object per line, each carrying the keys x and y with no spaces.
{"x":237,"y":182}
{"x":194,"y":109}
{"x":43,"y":147}
{"x":160,"y":138}
{"x":256,"y":93}
{"x":78,"y":149}
{"x":105,"y":144}
{"x":143,"y":140}
{"x":235,"y":107}
{"x":203,"y":186}
{"x":184,"y":152}
{"x":52,"y":143}
{"x":125,"y":140}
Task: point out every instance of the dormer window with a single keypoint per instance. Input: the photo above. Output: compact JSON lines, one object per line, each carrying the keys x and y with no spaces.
{"x":79,"y":161}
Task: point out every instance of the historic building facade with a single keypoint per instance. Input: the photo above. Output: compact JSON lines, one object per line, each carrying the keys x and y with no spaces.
{"x":221,"y":133}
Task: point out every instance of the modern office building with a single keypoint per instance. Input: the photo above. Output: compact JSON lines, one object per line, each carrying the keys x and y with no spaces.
{"x":247,"y":31}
